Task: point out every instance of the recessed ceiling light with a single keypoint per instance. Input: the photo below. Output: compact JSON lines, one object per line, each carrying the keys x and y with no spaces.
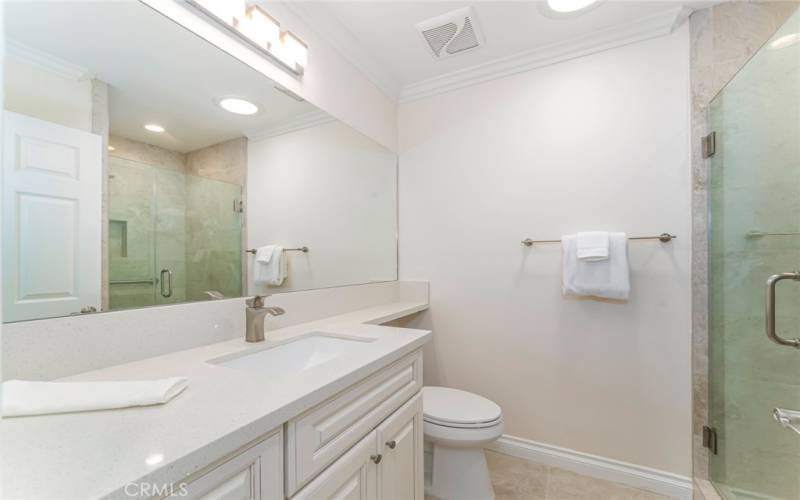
{"x":152,"y":127}
{"x":111,"y":148}
{"x":785,"y":41}
{"x":238,"y":106}
{"x":558,"y":9}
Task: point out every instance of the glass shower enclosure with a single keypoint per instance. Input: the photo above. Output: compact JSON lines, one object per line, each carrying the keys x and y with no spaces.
{"x":173,"y":237}
{"x":754,"y":234}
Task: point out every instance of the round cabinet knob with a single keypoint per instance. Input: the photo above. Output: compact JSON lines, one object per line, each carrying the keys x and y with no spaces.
{"x":391,"y":444}
{"x":376,"y":458}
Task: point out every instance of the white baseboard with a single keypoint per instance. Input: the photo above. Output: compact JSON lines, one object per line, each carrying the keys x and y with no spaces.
{"x":645,"y":478}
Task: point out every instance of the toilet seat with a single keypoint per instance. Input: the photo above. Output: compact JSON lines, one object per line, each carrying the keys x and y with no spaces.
{"x":459,"y":409}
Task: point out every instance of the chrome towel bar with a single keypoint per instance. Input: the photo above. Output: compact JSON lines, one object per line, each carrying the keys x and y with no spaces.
{"x":663,"y":238}
{"x":298,"y":249}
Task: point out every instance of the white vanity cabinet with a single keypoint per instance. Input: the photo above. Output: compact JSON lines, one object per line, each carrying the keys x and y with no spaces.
{"x":366,"y":442}
{"x":384,"y":465}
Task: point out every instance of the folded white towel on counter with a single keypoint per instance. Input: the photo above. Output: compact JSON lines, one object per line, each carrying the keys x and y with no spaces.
{"x":607,"y":279}
{"x":270,"y":266}
{"x":592,"y":245}
{"x":21,"y":397}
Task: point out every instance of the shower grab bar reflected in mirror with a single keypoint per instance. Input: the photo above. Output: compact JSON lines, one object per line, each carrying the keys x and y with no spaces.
{"x":769,"y":305}
{"x":131,"y":282}
{"x":754,"y":235}
{"x":663,"y":238}
{"x":298,"y":249}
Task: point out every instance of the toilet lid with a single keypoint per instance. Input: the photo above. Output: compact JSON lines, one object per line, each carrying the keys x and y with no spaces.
{"x":452,"y":406}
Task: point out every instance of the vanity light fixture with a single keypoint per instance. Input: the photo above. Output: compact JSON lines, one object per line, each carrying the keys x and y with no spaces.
{"x":238,"y":106}
{"x":258,"y":29}
{"x":561,"y":9}
{"x":785,"y":41}
{"x":153,"y":127}
{"x":228,"y":11}
{"x":294,"y":49}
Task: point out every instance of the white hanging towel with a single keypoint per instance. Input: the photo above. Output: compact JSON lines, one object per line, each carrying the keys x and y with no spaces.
{"x":592,"y":245}
{"x":22,"y":397}
{"x":271,"y":265}
{"x":608,"y":279}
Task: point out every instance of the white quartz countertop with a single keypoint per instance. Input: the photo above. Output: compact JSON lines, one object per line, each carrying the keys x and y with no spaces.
{"x":95,"y":454}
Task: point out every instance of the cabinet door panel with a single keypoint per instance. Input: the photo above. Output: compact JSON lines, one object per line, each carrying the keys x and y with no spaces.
{"x":253,"y":474}
{"x":400,"y":442}
{"x":351,"y":477}
{"x":238,"y":487}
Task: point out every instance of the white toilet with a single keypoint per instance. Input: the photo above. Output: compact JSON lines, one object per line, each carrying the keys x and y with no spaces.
{"x":458,"y":424}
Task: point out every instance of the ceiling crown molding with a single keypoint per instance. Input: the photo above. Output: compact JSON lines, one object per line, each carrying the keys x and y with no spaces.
{"x":658,"y":24}
{"x":43,"y":60}
{"x":325,"y":24}
{"x":299,"y":122}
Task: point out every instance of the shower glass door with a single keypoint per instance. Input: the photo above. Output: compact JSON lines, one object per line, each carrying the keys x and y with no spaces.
{"x":131,"y":238}
{"x":754,"y":179}
{"x":173,"y":237}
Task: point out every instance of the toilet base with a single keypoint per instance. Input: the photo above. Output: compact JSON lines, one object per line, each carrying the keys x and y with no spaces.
{"x":459,"y":474}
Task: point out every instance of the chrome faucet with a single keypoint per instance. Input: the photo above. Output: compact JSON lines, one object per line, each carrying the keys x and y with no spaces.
{"x":255,"y":313}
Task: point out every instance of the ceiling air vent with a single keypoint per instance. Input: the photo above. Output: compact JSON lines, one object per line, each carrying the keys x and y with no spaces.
{"x":451,"y":34}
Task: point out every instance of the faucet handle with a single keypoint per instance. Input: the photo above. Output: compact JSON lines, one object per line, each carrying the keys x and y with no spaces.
{"x":257,"y":302}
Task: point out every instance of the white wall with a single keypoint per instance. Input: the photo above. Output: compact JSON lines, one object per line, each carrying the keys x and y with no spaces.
{"x":600,"y":142}
{"x":332,"y":189}
{"x":40,"y":93}
{"x":330,"y":82}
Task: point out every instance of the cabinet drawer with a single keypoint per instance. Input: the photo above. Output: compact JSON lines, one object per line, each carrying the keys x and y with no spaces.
{"x":322,"y":434}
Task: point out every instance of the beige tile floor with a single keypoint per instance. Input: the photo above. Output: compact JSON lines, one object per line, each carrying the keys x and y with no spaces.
{"x":517,"y":479}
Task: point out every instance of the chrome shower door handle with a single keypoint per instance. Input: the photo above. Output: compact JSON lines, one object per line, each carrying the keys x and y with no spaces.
{"x":168,"y":281}
{"x":770,"y":308}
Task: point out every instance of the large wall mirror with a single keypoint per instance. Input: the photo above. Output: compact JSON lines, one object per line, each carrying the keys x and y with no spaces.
{"x":128,"y":184}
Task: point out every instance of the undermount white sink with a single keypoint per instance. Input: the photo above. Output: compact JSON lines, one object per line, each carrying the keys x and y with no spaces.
{"x":291,"y":357}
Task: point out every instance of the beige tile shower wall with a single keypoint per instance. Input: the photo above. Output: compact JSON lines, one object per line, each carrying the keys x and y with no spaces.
{"x":226,"y":161}
{"x":723,"y":38}
{"x":147,"y":153}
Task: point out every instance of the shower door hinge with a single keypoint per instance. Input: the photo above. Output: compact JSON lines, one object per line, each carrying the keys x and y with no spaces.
{"x":709,"y":145}
{"x":710,"y":438}
{"x":238,"y":206}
